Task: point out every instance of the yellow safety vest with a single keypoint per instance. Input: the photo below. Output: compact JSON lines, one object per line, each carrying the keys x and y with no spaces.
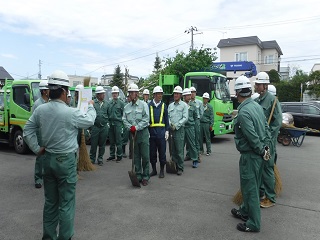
{"x":160,"y":124}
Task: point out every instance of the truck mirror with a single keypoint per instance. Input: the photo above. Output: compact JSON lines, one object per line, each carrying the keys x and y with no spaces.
{"x":26,"y":99}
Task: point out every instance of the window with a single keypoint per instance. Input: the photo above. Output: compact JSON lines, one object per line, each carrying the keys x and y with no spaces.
{"x":19,"y":96}
{"x":268,"y":59}
{"x":307,"y":109}
{"x":294,"y":108}
{"x":241,"y":56}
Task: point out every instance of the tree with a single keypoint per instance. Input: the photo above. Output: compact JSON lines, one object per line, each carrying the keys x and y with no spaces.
{"x":117,"y":79}
{"x":157,"y":65}
{"x":314,"y":84}
{"x":195,"y":60}
{"x":274,"y":76}
{"x":290,"y":91}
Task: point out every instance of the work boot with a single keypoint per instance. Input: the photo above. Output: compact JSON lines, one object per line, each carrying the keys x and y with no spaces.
{"x":266,"y":203}
{"x":124,"y":155}
{"x":110,"y":158}
{"x":161,"y":175}
{"x":154,"y":170}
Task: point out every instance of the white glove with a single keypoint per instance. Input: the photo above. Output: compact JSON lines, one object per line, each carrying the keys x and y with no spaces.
{"x":266,"y":155}
{"x":166,"y":135}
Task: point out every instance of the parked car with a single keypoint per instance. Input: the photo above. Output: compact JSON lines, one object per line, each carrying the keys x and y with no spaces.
{"x":305,"y":114}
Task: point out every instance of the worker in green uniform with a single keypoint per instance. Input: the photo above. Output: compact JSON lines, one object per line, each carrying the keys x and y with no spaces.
{"x":206,"y":122}
{"x":136,"y":119}
{"x":146,"y":95}
{"x":126,"y":136}
{"x":178,"y":116}
{"x":251,"y":138}
{"x":100,"y":129}
{"x":44,"y":90}
{"x":189,"y":128}
{"x":199,"y":108}
{"x":58,"y":126}
{"x":266,"y":100}
{"x":115,"y":112}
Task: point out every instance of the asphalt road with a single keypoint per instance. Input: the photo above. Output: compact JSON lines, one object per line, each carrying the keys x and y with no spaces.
{"x":195,"y":205}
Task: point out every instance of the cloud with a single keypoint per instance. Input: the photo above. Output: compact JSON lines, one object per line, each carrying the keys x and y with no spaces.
{"x":8,"y":55}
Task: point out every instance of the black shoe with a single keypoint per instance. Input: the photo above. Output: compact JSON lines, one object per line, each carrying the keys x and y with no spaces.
{"x":161,"y":175}
{"x":179,"y":172}
{"x":118,"y":160}
{"x":110,"y":158}
{"x":38,"y":185}
{"x":153,"y":173}
{"x":100,"y":163}
{"x":236,"y":213}
{"x":243,"y":228}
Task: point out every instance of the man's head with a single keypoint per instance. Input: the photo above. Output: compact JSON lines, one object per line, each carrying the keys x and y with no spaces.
{"x":261,"y":83}
{"x":146,"y":94}
{"x":186,"y":94}
{"x":242,"y":88}
{"x":193,"y":92}
{"x":157,"y":93}
{"x":272,"y":89}
{"x":115,"y":92}
{"x":58,"y":83}
{"x":177,"y":93}
{"x":133,"y":92}
{"x":43,"y":87}
{"x":69,"y":97}
{"x":78,"y":88}
{"x":100,"y":92}
{"x":205,"y":97}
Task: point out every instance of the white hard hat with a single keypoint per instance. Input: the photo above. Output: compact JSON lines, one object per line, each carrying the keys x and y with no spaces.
{"x":242,"y":82}
{"x":255,"y":95}
{"x":206,"y":95}
{"x":69,"y":93}
{"x":192,"y":89}
{"x":133,"y":88}
{"x":58,"y":79}
{"x":43,"y":85}
{"x":157,"y":89}
{"x":262,"y":77}
{"x":272,"y":89}
{"x":114,"y":89}
{"x":146,"y":91}
{"x":177,"y":89}
{"x":79,"y":87}
{"x":186,"y":91}
{"x":100,"y":89}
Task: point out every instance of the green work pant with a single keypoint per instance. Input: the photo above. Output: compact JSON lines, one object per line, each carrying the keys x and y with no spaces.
{"x":250,"y":166}
{"x":38,"y":170}
{"x":191,"y":142}
{"x":125,"y":137}
{"x":60,"y":177}
{"x":197,"y":135}
{"x":268,"y":178}
{"x":177,"y":151}
{"x":205,"y":133}
{"x":141,"y":154}
{"x":98,"y":138}
{"x":116,"y":139}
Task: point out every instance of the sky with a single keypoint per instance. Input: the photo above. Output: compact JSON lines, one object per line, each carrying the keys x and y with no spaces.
{"x":90,"y":38}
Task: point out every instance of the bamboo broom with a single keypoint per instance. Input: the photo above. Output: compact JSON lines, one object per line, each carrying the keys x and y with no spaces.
{"x":237,"y":198}
{"x":84,"y":163}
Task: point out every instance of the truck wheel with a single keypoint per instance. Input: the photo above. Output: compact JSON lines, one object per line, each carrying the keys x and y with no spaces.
{"x":19,"y":144}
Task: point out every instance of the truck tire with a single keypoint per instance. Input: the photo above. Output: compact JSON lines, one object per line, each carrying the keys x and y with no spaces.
{"x":18,"y":142}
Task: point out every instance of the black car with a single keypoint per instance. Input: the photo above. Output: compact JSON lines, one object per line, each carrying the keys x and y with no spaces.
{"x":305,"y":114}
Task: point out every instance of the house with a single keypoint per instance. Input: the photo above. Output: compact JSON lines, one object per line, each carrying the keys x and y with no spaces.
{"x":316,"y":67}
{"x":264,"y":54}
{"x":4,"y":75}
{"x":75,"y":80}
{"x":106,"y":78}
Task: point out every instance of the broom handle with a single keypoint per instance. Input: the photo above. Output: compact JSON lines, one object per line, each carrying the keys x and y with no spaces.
{"x":272,"y":110}
{"x":133,"y":139}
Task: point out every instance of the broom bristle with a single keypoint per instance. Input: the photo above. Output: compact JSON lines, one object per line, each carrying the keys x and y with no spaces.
{"x":86,"y":81}
{"x":84,"y":163}
{"x":237,"y":198}
{"x":278,"y":185}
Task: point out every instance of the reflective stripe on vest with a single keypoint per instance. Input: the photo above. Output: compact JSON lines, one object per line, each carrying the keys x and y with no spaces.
{"x":160,"y":124}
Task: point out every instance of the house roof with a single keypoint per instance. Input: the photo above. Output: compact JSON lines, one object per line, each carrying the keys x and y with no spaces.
{"x":4,"y":74}
{"x":253,"y":40}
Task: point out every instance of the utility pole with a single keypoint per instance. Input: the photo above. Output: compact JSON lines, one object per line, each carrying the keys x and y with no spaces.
{"x":192,"y":30}
{"x":39,"y":74}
